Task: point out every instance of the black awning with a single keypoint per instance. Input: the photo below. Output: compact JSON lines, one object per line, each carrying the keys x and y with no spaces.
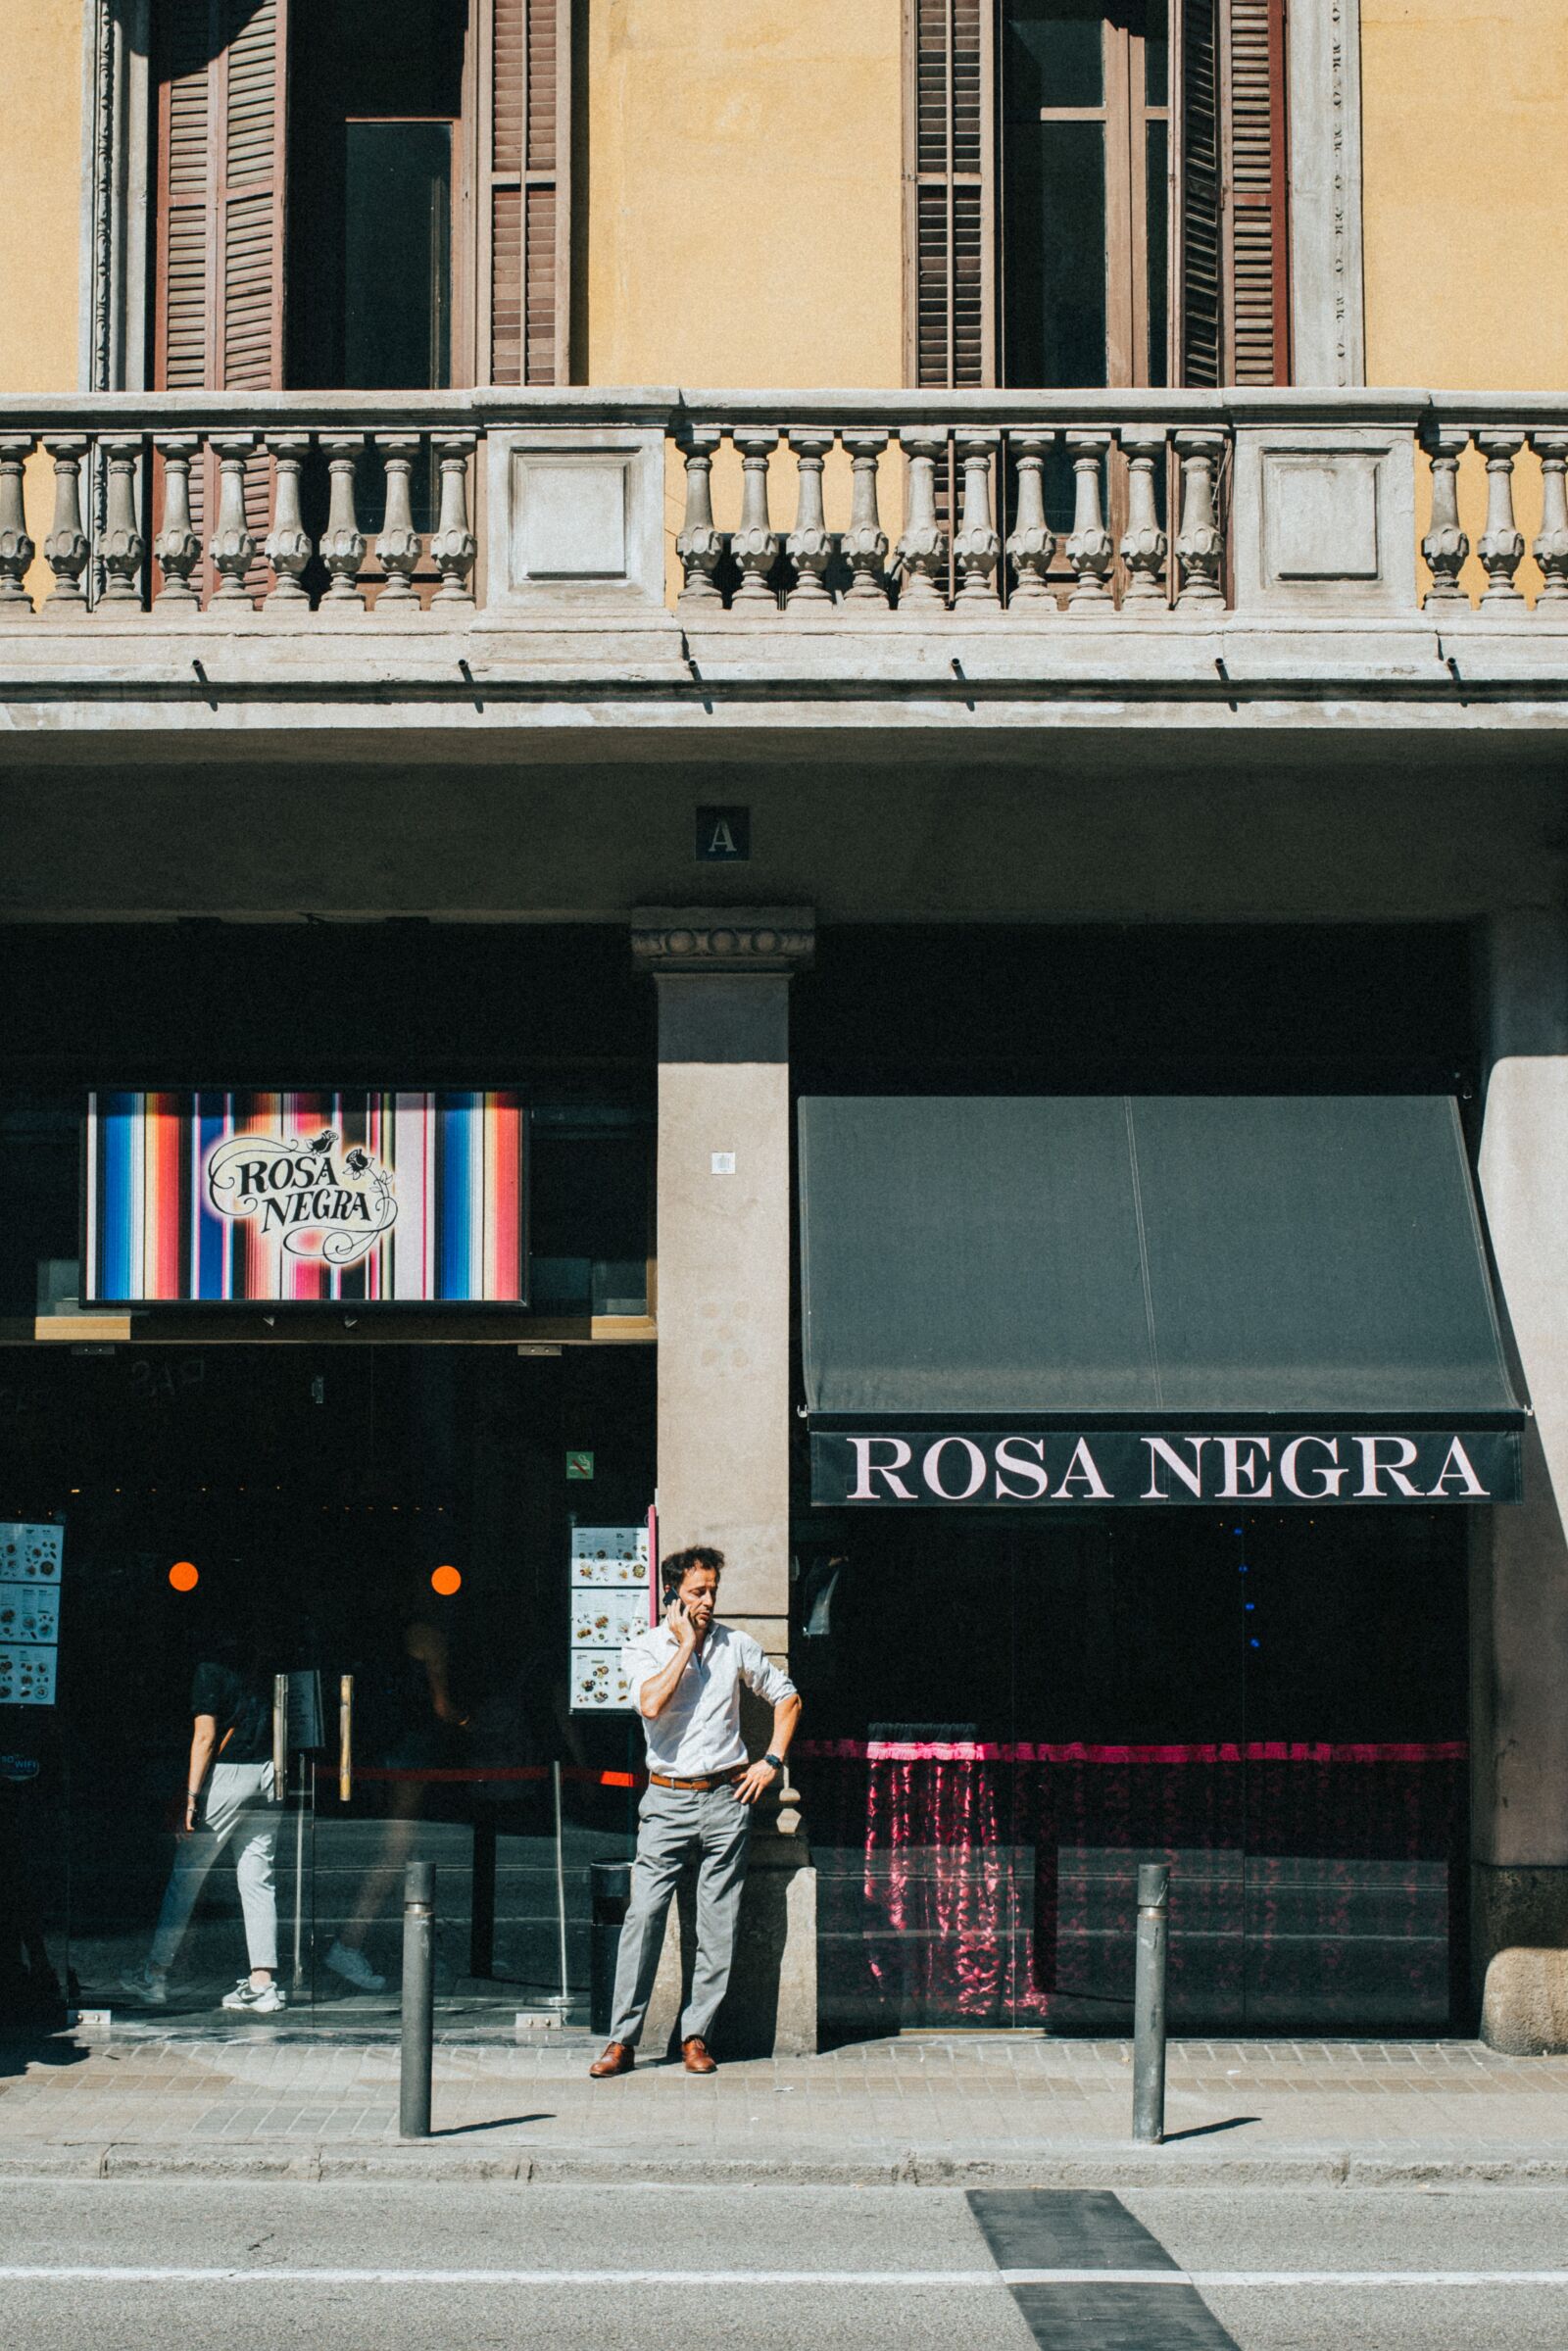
{"x":1161,"y":1261}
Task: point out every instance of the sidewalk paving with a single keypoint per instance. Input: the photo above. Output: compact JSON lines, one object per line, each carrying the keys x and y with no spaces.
{"x":1012,"y":2109}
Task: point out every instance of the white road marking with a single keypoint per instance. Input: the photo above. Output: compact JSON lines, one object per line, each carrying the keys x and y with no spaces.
{"x":149,"y":2274}
{"x":1208,"y":2277}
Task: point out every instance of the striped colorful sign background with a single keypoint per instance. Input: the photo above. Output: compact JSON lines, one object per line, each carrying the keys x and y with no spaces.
{"x":456,"y":1161}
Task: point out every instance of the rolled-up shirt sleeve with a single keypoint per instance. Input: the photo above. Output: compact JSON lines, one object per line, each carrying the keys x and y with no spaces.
{"x":637,"y":1663}
{"x":760,"y":1673}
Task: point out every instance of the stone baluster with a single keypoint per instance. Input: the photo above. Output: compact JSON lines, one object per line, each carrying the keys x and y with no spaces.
{"x":177,"y":546}
{"x":809,"y":546}
{"x":865,"y":542}
{"x":1445,"y":547}
{"x":1090,"y":549}
{"x":700,"y":547}
{"x":924,"y":549}
{"x":17,"y":550}
{"x":343,"y":541}
{"x":1550,"y":548}
{"x":398,"y":546}
{"x":1031,"y":543}
{"x":1501,"y":546}
{"x":1199,"y":543}
{"x":754,"y":545}
{"x":453,"y":547}
{"x":232,"y":546}
{"x":1145,"y":544}
{"x":287,"y":546}
{"x":977,"y":546}
{"x":66,"y":547}
{"x":123,"y":547}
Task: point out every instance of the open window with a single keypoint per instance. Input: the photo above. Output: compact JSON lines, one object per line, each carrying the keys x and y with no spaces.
{"x":361,"y":194}
{"x":1097,"y":192}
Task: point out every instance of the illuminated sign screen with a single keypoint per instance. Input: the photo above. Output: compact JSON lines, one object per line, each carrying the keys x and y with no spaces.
{"x":305,"y":1198}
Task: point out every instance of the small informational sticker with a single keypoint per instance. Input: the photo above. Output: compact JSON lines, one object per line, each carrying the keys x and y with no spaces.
{"x":724,"y":1162}
{"x":579,"y":1465}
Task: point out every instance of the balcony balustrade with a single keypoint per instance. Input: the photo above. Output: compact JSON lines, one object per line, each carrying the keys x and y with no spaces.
{"x":752,"y":511}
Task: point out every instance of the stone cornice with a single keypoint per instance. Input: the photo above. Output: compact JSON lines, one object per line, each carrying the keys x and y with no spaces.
{"x":722,"y":939}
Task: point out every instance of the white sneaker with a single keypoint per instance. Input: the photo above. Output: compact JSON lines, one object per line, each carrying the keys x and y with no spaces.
{"x":353,"y":1968}
{"x":147,"y":1986}
{"x":257,"y":2000}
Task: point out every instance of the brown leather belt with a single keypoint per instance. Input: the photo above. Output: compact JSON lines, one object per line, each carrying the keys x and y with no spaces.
{"x":698,"y":1787}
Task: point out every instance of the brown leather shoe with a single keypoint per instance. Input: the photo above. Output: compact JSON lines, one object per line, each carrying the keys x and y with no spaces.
{"x":618,"y":2058}
{"x":695,"y":2058}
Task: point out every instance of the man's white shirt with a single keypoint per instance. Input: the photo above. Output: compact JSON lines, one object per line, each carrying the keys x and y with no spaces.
{"x":699,"y":1732}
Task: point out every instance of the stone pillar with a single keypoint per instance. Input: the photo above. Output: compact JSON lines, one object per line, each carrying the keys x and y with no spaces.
{"x":1519,"y":1575}
{"x":724,"y":1249}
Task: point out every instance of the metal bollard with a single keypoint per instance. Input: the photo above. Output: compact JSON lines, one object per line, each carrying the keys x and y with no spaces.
{"x":1149,"y":2002}
{"x":419,"y":1998}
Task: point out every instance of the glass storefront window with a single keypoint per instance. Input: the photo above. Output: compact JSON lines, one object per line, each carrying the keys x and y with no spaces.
{"x":389,"y":1528}
{"x":1003,"y":1722}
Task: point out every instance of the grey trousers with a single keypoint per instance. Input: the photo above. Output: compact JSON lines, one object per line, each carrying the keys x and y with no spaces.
{"x":675,"y":1823}
{"x":238,"y":1805}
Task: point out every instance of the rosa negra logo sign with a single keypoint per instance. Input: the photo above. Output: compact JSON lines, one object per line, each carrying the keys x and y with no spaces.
{"x":1314,"y":1468}
{"x":306,"y":1196}
{"x":315,"y":1199}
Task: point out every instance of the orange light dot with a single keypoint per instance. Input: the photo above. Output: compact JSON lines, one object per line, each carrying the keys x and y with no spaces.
{"x":446,"y":1581}
{"x":184,"y":1575}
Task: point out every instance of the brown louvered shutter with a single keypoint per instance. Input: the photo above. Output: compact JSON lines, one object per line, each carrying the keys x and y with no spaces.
{"x":1258,"y":258}
{"x":1201,"y":244}
{"x":222,"y":119}
{"x":527,"y":271}
{"x":1234,"y":256}
{"x":950,"y":306}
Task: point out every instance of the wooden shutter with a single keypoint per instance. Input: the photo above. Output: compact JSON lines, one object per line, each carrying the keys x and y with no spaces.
{"x":1258,"y":257}
{"x":949,"y":305}
{"x":526,"y":142}
{"x":1233,"y":257}
{"x":222,"y":121}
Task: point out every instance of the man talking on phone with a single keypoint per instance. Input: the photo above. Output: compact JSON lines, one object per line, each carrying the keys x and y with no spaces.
{"x":685,"y":1679}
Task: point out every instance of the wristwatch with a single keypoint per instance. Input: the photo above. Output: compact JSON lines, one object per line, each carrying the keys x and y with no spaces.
{"x":776,"y":1761}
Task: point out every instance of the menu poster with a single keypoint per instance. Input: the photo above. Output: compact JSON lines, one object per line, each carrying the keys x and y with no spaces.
{"x":31,"y":1558}
{"x":610,"y":1598}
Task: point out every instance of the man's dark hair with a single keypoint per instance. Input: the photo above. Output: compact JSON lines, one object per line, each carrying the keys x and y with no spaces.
{"x":695,"y":1554}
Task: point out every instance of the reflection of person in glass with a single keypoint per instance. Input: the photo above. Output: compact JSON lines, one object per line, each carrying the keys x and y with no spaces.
{"x":228,"y":1800}
{"x":416,"y":1698}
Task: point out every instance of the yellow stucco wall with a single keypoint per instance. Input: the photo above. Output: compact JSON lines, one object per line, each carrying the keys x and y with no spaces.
{"x":40,"y":199}
{"x":1465,"y":192}
{"x":743,"y":192}
{"x":40,"y":194}
{"x":1465,"y":189}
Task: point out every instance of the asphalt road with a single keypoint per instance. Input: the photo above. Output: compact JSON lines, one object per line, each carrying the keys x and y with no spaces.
{"x":251,"y":2266}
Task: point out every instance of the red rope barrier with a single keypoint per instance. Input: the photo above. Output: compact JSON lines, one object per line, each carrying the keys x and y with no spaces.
{"x":445,"y":1774}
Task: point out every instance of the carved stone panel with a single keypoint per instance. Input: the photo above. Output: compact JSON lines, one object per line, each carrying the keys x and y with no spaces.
{"x":1324,"y":520}
{"x":577,"y":518}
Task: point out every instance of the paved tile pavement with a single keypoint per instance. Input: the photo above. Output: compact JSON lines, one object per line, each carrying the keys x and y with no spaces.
{"x":918,"y":2107}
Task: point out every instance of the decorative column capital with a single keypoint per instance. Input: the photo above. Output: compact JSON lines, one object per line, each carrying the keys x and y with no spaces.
{"x":723,"y":940}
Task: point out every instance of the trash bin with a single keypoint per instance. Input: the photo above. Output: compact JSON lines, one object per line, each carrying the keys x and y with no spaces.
{"x":609,"y":1890}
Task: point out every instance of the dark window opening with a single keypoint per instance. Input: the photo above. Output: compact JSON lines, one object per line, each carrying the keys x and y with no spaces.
{"x":374,"y":167}
{"x":1085,"y":107}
